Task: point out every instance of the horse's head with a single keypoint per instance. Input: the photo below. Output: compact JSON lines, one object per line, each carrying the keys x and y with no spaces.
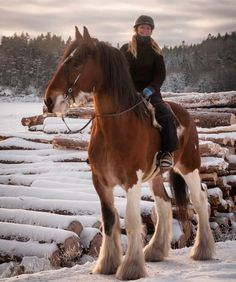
{"x":76,"y":73}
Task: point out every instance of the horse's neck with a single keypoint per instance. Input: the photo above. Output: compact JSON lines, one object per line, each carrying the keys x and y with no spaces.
{"x":104,"y":106}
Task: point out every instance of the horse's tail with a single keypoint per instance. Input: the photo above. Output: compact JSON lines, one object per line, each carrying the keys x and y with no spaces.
{"x":179,"y":187}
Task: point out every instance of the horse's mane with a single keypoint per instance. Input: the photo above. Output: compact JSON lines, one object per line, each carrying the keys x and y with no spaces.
{"x":117,"y":79}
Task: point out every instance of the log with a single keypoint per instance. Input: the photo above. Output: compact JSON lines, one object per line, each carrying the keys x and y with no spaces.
{"x":227,"y":138}
{"x":63,"y":142}
{"x":35,"y":120}
{"x":35,"y":128}
{"x":39,"y":138}
{"x":16,"y":250}
{"x":213,"y":180}
{"x":232,"y":162}
{"x":212,"y":119}
{"x":16,"y":143}
{"x":91,"y":239}
{"x":206,"y":100}
{"x":209,"y":148}
{"x":41,"y":219}
{"x":224,"y":153}
{"x":25,"y":232}
{"x":215,"y":197}
{"x":68,"y":242}
{"x":218,"y":129}
{"x":226,"y":206}
{"x":230,"y":216}
{"x":219,"y":110}
{"x":209,"y":178}
{"x":216,"y":231}
{"x":70,"y":207}
{"x":212,"y":164}
{"x":81,"y":112}
{"x":231,"y":180}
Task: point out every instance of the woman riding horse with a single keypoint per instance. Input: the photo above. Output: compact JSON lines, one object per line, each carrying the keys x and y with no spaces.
{"x":122,"y":150}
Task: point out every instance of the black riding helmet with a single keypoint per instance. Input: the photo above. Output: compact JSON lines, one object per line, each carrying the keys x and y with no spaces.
{"x":144,"y":20}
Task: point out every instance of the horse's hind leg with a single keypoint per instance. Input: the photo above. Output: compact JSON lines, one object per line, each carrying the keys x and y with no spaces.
{"x":110,"y":253}
{"x":133,"y":265}
{"x":159,"y":245}
{"x":203,"y":248}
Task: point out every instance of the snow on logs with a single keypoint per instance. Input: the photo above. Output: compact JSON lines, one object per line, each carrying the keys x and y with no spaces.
{"x":59,"y":245}
{"x":204,"y":100}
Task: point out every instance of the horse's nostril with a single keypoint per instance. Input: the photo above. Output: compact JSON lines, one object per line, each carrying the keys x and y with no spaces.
{"x":49,"y":104}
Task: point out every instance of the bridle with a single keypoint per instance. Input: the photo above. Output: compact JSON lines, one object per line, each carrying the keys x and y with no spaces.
{"x":68,"y":96}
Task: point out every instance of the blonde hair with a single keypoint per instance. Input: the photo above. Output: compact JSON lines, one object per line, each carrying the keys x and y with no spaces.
{"x":132,"y":45}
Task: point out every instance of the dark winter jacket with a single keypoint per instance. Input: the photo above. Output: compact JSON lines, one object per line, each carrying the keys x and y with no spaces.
{"x":148,"y":69}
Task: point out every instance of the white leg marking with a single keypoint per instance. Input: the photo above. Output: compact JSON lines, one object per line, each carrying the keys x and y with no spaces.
{"x":133,"y":265}
{"x":203,"y":248}
{"x":159,"y":245}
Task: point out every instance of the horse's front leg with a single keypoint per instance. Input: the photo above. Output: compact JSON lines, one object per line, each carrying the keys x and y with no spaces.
{"x":110,"y":252}
{"x":159,"y":245}
{"x":133,"y":266}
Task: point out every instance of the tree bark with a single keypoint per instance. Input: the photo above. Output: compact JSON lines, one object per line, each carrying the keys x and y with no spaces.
{"x":212,"y":119}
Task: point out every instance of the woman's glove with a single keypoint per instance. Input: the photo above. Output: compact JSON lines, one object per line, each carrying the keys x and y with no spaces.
{"x":148,"y":91}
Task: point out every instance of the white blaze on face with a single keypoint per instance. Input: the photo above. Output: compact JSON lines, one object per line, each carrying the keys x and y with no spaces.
{"x":61,"y":106}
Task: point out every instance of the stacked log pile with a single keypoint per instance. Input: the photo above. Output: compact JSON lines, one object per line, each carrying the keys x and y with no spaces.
{"x":43,"y":201}
{"x":214,"y":114}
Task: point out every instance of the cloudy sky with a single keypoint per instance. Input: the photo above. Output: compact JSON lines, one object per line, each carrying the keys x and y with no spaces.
{"x":112,"y":20}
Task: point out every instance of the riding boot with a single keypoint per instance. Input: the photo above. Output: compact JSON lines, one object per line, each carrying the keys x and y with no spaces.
{"x":169,"y":138}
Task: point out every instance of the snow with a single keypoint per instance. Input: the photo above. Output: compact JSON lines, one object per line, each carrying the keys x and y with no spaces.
{"x":35,"y":233}
{"x":39,"y":218}
{"x":87,"y":235}
{"x":56,"y":125}
{"x":29,"y":248}
{"x":23,"y":144}
{"x":15,"y":111}
{"x":214,"y":162}
{"x":56,"y":186}
{"x":177,"y":267}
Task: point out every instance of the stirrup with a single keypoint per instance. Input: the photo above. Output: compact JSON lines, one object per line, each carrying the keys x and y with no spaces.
{"x":165,"y":160}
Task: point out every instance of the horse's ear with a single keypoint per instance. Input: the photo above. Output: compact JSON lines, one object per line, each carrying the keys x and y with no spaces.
{"x":78,"y":35}
{"x":87,"y":37}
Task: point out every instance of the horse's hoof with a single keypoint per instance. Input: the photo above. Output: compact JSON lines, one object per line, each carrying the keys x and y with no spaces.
{"x":152,"y":255}
{"x":131,"y":271}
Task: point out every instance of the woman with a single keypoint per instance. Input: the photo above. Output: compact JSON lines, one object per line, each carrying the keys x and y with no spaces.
{"x":148,"y":72}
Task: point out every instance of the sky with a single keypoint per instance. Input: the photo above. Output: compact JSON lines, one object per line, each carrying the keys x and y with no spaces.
{"x":111,"y":20}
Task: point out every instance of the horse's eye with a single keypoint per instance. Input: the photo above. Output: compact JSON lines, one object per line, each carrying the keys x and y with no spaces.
{"x":77,"y":66}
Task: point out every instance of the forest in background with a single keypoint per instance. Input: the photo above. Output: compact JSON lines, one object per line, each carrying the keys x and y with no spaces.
{"x":27,"y":64}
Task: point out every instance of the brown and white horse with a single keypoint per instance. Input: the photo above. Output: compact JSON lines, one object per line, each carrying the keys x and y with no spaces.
{"x":121,"y":152}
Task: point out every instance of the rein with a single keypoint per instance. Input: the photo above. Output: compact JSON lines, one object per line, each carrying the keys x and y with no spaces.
{"x":143,"y":100}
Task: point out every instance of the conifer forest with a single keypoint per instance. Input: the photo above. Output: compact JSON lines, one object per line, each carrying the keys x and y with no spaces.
{"x":28,"y":63}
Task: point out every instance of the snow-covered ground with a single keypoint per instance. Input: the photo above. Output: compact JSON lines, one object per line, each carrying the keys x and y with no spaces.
{"x":177,"y":267}
{"x":12,"y":113}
